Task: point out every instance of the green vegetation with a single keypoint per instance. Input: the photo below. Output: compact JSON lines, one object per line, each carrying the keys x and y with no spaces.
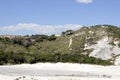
{"x":113,"y":31}
{"x":43,"y":48}
{"x":12,"y":58}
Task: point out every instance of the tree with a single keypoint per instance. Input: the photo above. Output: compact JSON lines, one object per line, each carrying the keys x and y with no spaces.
{"x":68,"y":32}
{"x":52,"y":38}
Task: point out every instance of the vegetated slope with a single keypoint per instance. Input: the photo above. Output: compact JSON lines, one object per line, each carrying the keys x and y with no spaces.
{"x":100,"y":41}
{"x":94,"y":45}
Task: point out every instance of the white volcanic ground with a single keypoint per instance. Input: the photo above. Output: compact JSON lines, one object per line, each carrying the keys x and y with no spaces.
{"x":104,"y":50}
{"x":59,"y":71}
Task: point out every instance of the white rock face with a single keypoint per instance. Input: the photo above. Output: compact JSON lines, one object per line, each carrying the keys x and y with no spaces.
{"x":91,"y":32}
{"x":104,"y":50}
{"x":117,"y":60}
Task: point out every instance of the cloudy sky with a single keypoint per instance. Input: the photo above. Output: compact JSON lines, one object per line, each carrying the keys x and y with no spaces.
{"x":54,"y":16}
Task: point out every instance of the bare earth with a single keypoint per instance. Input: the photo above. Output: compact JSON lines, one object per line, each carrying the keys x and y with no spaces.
{"x":59,"y":71}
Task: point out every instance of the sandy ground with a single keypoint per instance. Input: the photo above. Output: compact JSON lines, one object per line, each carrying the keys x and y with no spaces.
{"x":59,"y":71}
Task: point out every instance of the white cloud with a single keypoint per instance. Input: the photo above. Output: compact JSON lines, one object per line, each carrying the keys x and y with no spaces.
{"x":37,"y":29}
{"x":84,"y":1}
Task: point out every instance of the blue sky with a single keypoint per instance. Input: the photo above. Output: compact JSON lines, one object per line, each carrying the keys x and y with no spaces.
{"x":53,"y":13}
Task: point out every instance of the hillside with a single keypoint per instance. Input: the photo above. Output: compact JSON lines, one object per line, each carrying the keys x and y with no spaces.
{"x":98,"y":44}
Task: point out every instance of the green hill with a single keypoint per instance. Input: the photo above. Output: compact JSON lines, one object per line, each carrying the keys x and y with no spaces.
{"x":99,"y":44}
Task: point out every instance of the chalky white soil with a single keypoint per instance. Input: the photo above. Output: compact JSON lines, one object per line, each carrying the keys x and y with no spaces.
{"x":59,"y":71}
